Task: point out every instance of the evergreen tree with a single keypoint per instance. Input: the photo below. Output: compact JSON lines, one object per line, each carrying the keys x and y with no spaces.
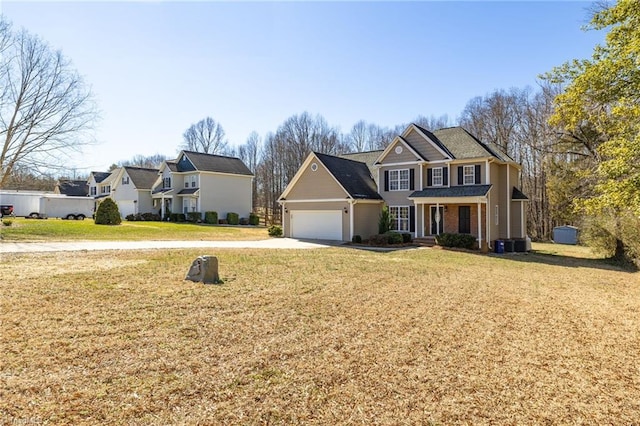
{"x":108,"y":213}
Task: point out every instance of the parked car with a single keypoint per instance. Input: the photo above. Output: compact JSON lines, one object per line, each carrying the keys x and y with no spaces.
{"x":6,"y":210}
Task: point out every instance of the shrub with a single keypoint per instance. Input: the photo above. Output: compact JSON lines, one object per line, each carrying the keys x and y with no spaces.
{"x":130,"y":217}
{"x":108,"y":213}
{"x":233,"y":218}
{"x":173,"y":217}
{"x":384,"y":224}
{"x":244,"y":221}
{"x":406,"y":237}
{"x":222,"y":221}
{"x":275,"y":230}
{"x":211,"y":217}
{"x":465,"y":241}
{"x":7,"y":222}
{"x":254,"y":219}
{"x":379,"y":240}
{"x":394,"y":237}
{"x":194,"y":217}
{"x":150,"y":216}
{"x":357,"y":239}
{"x":181,"y":217}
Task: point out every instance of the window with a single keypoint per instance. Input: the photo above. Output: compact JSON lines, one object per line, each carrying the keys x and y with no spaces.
{"x":93,"y":190}
{"x":125,"y":180}
{"x":497,"y":214}
{"x":190,"y":181}
{"x":399,"y":180}
{"x":437,"y":176}
{"x":469,"y":175}
{"x":105,"y":189}
{"x":399,"y":218}
{"x":166,"y":182}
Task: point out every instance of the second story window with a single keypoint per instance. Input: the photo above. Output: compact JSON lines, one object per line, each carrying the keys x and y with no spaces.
{"x":437,"y":176}
{"x":125,"y":180}
{"x":469,"y":175}
{"x":399,"y":180}
{"x":166,"y":182}
{"x":190,"y":181}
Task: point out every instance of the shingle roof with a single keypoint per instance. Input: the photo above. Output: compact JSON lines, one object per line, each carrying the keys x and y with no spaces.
{"x":516,"y":194}
{"x":354,"y":176}
{"x":142,"y":178}
{"x":188,"y":191}
{"x":369,"y":158}
{"x":100,"y":176}
{"x":453,"y":191}
{"x":435,"y":139}
{"x":217,"y":163}
{"x":462,"y":144}
{"x":76,"y":188}
{"x":172,"y":165}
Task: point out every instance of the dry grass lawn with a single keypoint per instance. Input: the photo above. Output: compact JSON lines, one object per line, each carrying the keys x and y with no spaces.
{"x":328,"y":336}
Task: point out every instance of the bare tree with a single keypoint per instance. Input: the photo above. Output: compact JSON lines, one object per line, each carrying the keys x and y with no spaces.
{"x":249,"y":153}
{"x":432,"y":122}
{"x":205,"y":136}
{"x":146,"y":161}
{"x":46,"y":112}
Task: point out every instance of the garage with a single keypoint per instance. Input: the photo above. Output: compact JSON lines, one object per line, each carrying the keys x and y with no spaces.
{"x":316,"y":224}
{"x":126,"y":208}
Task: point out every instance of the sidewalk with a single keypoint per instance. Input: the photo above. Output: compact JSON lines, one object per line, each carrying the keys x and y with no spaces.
{"x":273,"y":243}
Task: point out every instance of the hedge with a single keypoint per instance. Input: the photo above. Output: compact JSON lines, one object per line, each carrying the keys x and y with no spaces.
{"x":233,"y":218}
{"x":465,"y":241}
{"x":211,"y":217}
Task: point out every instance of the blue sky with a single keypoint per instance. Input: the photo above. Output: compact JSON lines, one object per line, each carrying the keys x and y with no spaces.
{"x":156,"y":67}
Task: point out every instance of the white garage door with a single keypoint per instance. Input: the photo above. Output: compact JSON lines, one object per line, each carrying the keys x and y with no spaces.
{"x":316,"y":224}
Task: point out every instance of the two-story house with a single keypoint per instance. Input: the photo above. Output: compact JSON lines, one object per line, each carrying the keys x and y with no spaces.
{"x":130,"y":188}
{"x":197,"y":182}
{"x":432,"y":182}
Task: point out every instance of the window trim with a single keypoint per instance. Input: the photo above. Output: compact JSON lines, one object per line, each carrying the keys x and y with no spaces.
{"x":466,"y":175}
{"x":398,"y":180}
{"x":397,"y":219}
{"x":433,"y":176}
{"x":497,"y":213}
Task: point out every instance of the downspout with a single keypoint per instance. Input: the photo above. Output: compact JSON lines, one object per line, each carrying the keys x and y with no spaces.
{"x":508,"y":204}
{"x":352,"y":204}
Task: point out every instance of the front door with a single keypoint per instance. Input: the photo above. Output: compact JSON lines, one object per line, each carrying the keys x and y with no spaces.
{"x":437,"y":220}
{"x":464,"y":220}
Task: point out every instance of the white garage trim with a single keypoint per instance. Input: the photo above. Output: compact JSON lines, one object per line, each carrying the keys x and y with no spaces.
{"x":316,"y":224}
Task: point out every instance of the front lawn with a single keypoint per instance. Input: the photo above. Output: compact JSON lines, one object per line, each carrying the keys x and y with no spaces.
{"x":68,"y":230}
{"x":329,"y":336}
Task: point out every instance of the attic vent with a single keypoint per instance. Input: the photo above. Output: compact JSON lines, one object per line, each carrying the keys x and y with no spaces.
{"x":314,"y":167}
{"x":398,"y":149}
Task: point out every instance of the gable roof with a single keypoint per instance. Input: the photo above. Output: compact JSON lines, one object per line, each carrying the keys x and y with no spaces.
{"x":407,"y":145}
{"x":354,"y":176}
{"x":434,"y":139}
{"x":75,"y":188}
{"x":464,"y":145}
{"x":142,"y":178}
{"x":100,"y":176}
{"x":214,"y":163}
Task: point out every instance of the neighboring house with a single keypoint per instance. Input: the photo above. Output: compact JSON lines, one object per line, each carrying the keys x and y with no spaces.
{"x":130,"y":188}
{"x":73,"y":188}
{"x":97,"y":186}
{"x":197,"y":182}
{"x":445,"y":181}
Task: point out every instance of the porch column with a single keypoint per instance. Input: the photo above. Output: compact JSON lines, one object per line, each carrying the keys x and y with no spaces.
{"x":422,"y":221}
{"x":479,"y":225}
{"x":438,"y":216}
{"x":351,"y":218}
{"x":162,"y":208}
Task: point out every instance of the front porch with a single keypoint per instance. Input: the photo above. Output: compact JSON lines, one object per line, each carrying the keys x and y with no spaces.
{"x":455,"y":210}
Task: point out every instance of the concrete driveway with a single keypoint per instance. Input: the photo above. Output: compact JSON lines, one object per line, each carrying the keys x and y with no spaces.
{"x":273,"y":243}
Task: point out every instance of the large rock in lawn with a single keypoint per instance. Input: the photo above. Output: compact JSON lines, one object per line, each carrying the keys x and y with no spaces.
{"x":204,"y":269}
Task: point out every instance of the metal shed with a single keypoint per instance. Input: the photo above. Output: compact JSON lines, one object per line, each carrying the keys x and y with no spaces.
{"x":565,"y":234}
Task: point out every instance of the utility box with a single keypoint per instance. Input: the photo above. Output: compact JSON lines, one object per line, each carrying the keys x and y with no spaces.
{"x":565,"y":234}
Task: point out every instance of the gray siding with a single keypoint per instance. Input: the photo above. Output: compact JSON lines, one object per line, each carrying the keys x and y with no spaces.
{"x":366,"y":217}
{"x":225,"y":194}
{"x":316,"y":185}
{"x":423,"y":146}
{"x":404,"y":157}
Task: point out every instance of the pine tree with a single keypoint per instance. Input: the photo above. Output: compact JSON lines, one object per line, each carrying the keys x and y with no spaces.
{"x":108,"y":213}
